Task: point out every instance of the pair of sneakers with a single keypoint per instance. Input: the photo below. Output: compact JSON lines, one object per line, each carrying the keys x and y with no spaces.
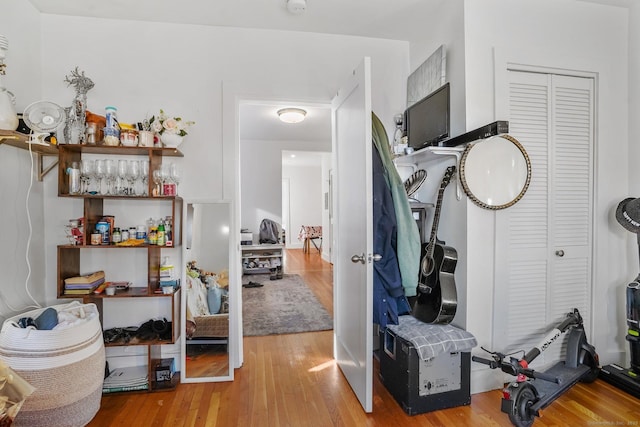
{"x":276,"y":273}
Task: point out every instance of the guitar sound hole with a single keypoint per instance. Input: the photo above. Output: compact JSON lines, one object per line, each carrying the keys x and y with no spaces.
{"x":427,"y":266}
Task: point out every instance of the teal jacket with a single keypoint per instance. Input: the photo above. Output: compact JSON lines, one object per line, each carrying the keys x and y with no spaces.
{"x":408,"y":240}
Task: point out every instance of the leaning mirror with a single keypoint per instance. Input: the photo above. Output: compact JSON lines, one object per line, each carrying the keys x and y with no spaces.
{"x":205,"y":305}
{"x":495,"y":172}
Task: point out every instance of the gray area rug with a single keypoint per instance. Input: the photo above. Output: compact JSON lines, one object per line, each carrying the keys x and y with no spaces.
{"x":283,"y":306}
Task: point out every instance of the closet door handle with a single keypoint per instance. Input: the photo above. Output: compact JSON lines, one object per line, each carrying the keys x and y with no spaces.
{"x":560,"y":253}
{"x":363,"y":259}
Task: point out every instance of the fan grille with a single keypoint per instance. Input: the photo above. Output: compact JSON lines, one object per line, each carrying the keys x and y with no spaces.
{"x":43,"y":116}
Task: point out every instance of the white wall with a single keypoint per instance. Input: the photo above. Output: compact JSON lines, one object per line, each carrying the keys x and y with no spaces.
{"x":305,"y":187}
{"x":261,"y":174}
{"x":20,"y":24}
{"x":446,"y":26}
{"x":576,"y":36}
{"x":261,"y":184}
{"x":634,"y":110}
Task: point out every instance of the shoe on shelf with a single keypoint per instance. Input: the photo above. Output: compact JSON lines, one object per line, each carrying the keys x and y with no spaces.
{"x":252,"y":285}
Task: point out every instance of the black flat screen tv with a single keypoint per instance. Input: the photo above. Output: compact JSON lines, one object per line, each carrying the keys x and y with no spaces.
{"x":427,"y":121}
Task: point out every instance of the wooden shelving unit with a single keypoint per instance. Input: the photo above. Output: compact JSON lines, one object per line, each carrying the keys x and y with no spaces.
{"x":263,"y":252}
{"x":70,"y":256}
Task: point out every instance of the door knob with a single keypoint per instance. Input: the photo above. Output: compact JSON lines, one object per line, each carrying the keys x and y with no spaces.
{"x":560,"y":253}
{"x":376,"y":257}
{"x":358,"y":258}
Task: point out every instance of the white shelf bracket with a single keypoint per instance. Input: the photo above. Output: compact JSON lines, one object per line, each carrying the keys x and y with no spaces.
{"x":455,"y":152}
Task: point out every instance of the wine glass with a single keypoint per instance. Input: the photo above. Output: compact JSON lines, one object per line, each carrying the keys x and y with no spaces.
{"x":133,"y":172}
{"x":86,"y":172}
{"x":122,"y":176}
{"x":144,"y":175}
{"x":110,"y":174}
{"x":99,"y":173}
{"x":176,"y":174}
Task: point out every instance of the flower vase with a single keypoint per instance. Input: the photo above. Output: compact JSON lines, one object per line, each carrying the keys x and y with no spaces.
{"x":171,"y":140}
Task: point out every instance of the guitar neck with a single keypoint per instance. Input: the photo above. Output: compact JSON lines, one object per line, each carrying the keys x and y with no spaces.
{"x":436,"y":220}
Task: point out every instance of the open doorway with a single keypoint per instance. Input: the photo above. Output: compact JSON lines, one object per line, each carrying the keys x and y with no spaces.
{"x":283,"y":172}
{"x":305,"y":194}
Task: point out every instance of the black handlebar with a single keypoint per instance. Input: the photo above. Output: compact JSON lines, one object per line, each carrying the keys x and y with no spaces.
{"x":512,"y":367}
{"x":492,"y":363}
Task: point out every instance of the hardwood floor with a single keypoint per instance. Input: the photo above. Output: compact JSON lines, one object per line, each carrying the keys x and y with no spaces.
{"x":291,"y":380}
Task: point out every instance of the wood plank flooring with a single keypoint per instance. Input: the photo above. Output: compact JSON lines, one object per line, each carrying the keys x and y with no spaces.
{"x":291,"y":380}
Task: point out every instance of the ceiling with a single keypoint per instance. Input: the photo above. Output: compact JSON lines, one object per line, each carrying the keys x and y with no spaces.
{"x":388,"y":19}
{"x":368,"y":18}
{"x":259,"y":121}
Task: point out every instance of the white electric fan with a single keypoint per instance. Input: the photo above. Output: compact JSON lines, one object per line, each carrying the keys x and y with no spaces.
{"x":43,"y":117}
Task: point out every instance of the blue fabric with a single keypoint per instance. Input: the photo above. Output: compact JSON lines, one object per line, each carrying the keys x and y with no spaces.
{"x":47,"y":320}
{"x":388,"y":293}
{"x":214,"y":299}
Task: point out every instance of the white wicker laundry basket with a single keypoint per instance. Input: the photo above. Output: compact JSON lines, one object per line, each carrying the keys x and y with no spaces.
{"x":66,"y":366}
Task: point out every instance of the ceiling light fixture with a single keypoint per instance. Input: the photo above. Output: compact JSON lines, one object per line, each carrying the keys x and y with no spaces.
{"x":292,"y":115}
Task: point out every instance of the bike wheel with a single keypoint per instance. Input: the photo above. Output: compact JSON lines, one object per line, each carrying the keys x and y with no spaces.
{"x":524,"y":396}
{"x":587,"y":358}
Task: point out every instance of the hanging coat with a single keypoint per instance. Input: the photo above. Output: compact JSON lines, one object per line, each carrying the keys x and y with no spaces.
{"x":408,"y":248}
{"x":388,"y":294}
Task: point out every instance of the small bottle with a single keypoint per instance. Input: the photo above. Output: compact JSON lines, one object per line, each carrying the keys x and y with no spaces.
{"x":153,"y":236}
{"x":133,"y":233}
{"x":125,"y":234}
{"x":141,"y":233}
{"x":111,"y":118}
{"x":150,"y":225}
{"x":96,"y":238}
{"x":160,"y":235}
{"x":116,"y":236}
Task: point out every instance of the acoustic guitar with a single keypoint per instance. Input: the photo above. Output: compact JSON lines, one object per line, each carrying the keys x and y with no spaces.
{"x":437,"y":299}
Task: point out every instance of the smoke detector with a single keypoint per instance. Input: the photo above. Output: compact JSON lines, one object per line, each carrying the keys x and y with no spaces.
{"x":297,"y":7}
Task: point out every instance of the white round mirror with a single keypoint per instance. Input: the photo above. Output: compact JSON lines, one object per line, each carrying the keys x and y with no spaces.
{"x":495,"y":172}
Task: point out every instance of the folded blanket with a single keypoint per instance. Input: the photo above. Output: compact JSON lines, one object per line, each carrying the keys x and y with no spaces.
{"x":432,"y":340}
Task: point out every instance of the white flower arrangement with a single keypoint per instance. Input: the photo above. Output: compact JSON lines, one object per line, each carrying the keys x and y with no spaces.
{"x":163,"y":123}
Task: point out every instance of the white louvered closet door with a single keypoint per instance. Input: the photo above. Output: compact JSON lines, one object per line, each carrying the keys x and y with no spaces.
{"x":544,"y":242}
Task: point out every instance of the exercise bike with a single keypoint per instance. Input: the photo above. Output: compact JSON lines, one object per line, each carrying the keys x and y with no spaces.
{"x":532,"y":390}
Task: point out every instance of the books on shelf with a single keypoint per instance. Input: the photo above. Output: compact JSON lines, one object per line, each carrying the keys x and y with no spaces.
{"x":78,"y":291}
{"x":83,"y":285}
{"x":175,"y":284}
{"x":121,"y":389}
{"x":130,"y":378}
{"x":88,"y":279}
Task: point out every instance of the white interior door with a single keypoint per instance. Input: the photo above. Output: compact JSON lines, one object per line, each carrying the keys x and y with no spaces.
{"x":353,"y":227}
{"x":543,"y":254}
